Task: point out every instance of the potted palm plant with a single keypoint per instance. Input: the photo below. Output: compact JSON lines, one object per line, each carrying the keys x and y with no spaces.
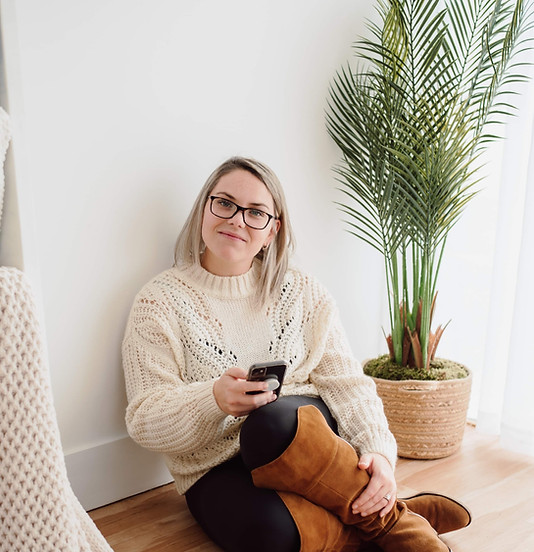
{"x":411,"y":120}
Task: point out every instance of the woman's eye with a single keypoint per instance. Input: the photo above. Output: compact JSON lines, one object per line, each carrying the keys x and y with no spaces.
{"x":224,"y":204}
{"x":256,"y":213}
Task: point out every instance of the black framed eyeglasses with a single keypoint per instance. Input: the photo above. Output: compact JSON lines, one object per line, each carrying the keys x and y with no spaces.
{"x":252,"y":217}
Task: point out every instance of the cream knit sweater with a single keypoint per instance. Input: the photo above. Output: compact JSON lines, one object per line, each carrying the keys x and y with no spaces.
{"x":188,"y":326}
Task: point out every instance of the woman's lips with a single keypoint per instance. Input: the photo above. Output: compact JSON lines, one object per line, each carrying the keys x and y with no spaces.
{"x":232,"y":236}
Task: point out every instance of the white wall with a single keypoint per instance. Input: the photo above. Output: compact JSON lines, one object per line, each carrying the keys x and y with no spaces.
{"x":121,"y":109}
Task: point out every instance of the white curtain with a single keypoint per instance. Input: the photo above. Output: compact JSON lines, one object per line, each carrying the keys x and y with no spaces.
{"x":506,"y":404}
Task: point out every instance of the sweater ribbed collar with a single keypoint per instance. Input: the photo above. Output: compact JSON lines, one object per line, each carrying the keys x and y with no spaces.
{"x":229,"y":287}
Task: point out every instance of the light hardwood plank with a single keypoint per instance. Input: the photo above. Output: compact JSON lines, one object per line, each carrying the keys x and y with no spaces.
{"x":155,"y":521}
{"x":497,"y":486}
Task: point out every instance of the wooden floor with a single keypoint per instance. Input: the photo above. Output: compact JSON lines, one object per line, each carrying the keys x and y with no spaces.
{"x":497,"y":486}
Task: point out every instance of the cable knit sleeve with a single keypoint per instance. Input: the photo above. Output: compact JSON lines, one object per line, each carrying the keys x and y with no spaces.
{"x":347,"y":391}
{"x":165,"y":413}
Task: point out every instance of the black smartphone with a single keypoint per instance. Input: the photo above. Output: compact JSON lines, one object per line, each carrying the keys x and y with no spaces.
{"x":273,"y":372}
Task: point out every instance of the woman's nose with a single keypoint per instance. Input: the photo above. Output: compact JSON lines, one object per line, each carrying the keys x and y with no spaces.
{"x":238,"y":219}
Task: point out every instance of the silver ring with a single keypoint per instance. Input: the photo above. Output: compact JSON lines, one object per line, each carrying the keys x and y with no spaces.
{"x":387,"y":497}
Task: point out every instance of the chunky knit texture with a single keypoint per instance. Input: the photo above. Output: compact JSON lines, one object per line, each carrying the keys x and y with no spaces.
{"x":187,"y":327}
{"x":38,"y":509}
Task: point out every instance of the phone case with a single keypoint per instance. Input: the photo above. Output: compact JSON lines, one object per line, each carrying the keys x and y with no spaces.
{"x":267,"y":370}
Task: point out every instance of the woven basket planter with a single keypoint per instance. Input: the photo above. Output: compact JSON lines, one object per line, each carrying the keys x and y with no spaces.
{"x":427,"y":418}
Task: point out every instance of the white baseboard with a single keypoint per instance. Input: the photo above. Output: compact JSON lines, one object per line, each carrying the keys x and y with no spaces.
{"x":113,"y":471}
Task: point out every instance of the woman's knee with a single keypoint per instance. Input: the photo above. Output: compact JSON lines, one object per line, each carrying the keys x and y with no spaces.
{"x":278,"y":418}
{"x":267,"y":432}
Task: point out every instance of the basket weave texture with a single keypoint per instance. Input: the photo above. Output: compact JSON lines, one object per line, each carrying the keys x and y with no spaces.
{"x":427,"y":418}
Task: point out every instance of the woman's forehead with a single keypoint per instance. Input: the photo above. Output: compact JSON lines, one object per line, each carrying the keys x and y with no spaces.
{"x":241,"y":185}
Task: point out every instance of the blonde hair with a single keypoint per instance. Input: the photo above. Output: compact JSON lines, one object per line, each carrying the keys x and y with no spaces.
{"x":274,"y":259}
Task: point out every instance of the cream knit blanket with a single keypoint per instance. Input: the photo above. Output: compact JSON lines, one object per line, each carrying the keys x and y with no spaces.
{"x":38,"y":509}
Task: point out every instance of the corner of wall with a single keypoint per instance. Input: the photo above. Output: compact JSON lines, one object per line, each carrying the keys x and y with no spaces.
{"x":110,"y":472}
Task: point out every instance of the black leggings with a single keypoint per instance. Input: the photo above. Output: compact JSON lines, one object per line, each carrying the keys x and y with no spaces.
{"x":236,"y":515}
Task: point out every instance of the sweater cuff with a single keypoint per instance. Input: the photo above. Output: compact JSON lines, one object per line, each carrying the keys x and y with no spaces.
{"x":207,"y":404}
{"x":384,"y":445}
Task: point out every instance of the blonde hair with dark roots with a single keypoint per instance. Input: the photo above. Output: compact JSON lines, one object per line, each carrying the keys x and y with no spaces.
{"x":274,"y":259}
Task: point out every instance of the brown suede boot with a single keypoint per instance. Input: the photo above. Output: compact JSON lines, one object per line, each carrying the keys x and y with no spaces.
{"x":323,"y":468}
{"x":442,"y":512}
{"x":319,"y":529}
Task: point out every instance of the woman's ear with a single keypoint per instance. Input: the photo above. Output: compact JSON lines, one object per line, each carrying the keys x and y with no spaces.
{"x":272,"y":233}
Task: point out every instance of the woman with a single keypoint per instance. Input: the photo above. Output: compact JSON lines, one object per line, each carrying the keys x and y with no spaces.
{"x":231,"y":301}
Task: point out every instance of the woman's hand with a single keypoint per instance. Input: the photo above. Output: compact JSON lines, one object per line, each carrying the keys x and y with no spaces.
{"x":230,"y":393}
{"x":381,"y":486}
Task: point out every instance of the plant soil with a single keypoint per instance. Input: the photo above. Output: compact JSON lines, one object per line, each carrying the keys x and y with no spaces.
{"x":440,"y":369}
